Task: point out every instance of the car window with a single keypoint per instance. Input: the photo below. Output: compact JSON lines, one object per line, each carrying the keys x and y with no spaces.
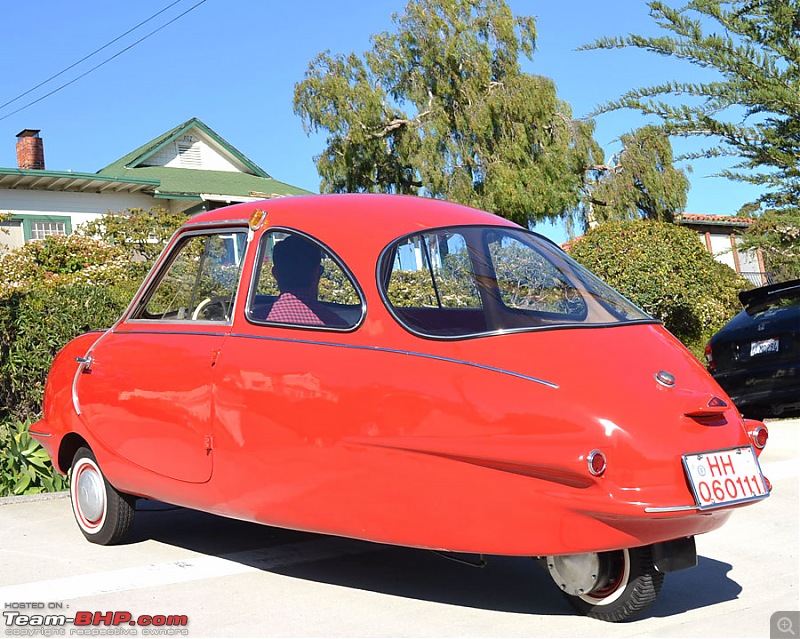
{"x":528,"y":281}
{"x":300,"y":283}
{"x":474,"y":280}
{"x":433,"y":270}
{"x":200,"y":281}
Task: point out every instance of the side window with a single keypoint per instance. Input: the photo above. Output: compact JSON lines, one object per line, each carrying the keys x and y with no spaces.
{"x":433,"y":270}
{"x":529,"y":282}
{"x":200,"y":281}
{"x":299,"y":283}
{"x":430,"y":285}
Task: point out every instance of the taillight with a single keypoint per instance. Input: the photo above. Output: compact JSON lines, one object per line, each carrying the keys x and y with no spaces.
{"x":759,"y":436}
{"x":597,"y":462}
{"x":709,"y":357}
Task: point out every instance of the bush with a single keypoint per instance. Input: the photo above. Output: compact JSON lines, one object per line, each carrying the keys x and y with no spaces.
{"x":665,"y":270}
{"x":36,"y":324}
{"x":25,"y":467}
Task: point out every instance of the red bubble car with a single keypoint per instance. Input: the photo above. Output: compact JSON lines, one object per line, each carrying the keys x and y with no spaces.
{"x":405,"y":371}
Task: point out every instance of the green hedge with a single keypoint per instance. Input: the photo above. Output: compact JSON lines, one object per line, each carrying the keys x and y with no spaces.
{"x":665,"y":270}
{"x":35,"y":325}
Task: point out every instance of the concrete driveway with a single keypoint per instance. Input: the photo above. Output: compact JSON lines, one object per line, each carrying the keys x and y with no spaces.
{"x":227,"y":578}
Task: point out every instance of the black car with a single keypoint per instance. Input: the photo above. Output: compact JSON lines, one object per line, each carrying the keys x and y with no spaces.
{"x":756,"y":356}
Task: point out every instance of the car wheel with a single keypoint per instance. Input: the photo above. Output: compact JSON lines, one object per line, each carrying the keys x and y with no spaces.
{"x":104,"y":514}
{"x":611,"y":586}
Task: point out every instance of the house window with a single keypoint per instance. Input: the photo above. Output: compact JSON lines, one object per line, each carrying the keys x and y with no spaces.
{"x":40,"y":230}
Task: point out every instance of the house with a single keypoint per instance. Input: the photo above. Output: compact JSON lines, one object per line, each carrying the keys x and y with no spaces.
{"x":188,"y":169}
{"x":721,"y":235}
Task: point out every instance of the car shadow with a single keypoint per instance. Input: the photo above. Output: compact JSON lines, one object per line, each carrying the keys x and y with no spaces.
{"x":504,"y":584}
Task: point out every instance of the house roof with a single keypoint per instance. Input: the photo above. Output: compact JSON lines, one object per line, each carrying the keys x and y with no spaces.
{"x":73,"y":182}
{"x":137,"y":158}
{"x":176,"y":183}
{"x":245,"y":179}
{"x":720,"y":220}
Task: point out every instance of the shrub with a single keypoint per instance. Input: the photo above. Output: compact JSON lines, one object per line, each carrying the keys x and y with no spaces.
{"x":36,"y":324}
{"x":59,"y":260}
{"x":25,"y":467}
{"x":664,"y":269}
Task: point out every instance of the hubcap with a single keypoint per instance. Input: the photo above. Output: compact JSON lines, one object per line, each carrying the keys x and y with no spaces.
{"x":91,"y":494}
{"x":575,"y":574}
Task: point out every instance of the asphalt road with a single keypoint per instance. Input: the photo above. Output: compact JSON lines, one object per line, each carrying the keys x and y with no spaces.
{"x":231,"y":578}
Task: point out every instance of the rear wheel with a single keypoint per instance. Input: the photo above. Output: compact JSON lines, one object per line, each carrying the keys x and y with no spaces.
{"x":104,"y":515}
{"x":611,"y":586}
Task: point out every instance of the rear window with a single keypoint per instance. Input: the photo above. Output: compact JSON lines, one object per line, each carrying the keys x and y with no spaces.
{"x":465,"y":281}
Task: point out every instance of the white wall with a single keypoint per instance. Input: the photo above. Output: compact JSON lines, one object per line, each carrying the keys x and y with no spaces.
{"x":80,"y":207}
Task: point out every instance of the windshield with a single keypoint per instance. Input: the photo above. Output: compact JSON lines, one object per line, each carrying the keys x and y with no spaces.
{"x":465,"y":281}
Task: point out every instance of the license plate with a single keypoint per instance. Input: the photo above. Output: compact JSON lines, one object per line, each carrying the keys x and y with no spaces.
{"x":725,"y":477}
{"x":764,"y":346}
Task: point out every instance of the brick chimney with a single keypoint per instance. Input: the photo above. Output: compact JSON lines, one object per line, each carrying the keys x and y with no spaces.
{"x":30,"y":150}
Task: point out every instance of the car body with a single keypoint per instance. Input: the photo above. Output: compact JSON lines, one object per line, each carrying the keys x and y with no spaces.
{"x":755,"y":357}
{"x":479,"y":392}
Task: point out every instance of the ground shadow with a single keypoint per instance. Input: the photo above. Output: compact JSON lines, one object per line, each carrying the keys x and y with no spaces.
{"x":505,"y":584}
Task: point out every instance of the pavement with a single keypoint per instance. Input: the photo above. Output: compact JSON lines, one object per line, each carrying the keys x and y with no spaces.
{"x":230,"y":578}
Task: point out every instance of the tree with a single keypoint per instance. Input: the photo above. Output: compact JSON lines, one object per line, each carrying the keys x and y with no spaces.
{"x":778,"y":237}
{"x":666,"y":271}
{"x":143,"y":234}
{"x":441,"y":107}
{"x":640,"y":182}
{"x":753,"y":110}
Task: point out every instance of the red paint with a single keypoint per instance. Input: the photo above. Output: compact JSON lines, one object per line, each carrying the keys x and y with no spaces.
{"x":379,"y":434}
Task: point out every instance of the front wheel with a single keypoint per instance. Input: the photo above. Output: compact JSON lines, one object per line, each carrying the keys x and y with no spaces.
{"x":611,"y":586}
{"x":104,"y":515}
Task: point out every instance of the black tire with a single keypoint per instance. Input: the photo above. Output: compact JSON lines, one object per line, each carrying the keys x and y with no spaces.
{"x":632,"y":584}
{"x":104,"y":515}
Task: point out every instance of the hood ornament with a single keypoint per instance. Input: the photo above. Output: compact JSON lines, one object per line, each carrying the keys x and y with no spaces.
{"x":665,"y":378}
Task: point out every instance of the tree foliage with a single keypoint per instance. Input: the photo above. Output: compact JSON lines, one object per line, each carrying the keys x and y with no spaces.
{"x":141,"y":234}
{"x":778,"y":237}
{"x":753,"y":110}
{"x":440,"y":107}
{"x":640,"y":182}
{"x":665,"y":270}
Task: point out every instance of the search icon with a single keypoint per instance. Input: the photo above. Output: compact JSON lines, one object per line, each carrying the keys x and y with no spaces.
{"x":785,"y":626}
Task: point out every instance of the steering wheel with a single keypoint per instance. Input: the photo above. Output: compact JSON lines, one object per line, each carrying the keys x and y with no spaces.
{"x":204,"y":308}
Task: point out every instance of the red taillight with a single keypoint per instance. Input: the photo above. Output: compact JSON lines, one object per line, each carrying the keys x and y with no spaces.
{"x":597,"y":462}
{"x":709,"y":357}
{"x":760,"y":436}
{"x":757,"y":432}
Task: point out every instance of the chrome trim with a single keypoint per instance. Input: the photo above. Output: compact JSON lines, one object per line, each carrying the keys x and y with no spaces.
{"x":141,"y":331}
{"x":396,"y":351}
{"x":671,"y":509}
{"x":37,"y":433}
{"x":665,"y":378}
{"x":82,"y":367}
{"x":211,"y":223}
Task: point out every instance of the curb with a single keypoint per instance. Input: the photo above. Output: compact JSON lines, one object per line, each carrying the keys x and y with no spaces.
{"x":24,"y":499}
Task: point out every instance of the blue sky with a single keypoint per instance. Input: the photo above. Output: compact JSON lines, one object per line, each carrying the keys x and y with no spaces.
{"x":234,"y":64}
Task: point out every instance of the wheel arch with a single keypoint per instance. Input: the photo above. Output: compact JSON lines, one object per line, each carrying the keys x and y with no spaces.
{"x":66,"y":451}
